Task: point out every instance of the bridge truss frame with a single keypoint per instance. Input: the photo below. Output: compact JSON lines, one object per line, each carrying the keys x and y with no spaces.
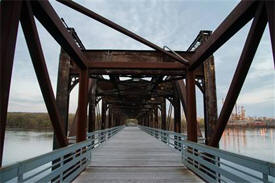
{"x":196,"y":66}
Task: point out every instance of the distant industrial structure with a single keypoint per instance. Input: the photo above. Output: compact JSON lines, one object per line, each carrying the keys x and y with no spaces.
{"x":238,"y":113}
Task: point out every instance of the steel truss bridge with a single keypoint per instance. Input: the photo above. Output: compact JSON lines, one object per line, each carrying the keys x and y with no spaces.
{"x":132,"y":84}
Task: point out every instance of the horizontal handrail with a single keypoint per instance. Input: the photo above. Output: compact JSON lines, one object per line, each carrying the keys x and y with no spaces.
{"x":61,"y":165}
{"x":216,"y":165}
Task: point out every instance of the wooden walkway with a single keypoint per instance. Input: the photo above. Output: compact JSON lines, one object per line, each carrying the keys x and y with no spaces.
{"x":134,"y":156}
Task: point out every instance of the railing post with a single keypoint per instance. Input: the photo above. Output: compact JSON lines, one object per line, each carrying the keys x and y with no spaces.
{"x":265,"y":178}
{"x":19,"y":174}
{"x":168,"y":139}
{"x":61,"y":173}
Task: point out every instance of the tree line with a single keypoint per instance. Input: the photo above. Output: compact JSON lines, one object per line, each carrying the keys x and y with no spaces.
{"x":39,"y":121}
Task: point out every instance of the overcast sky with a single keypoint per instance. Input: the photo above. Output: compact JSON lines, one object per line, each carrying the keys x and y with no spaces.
{"x":172,"y":23}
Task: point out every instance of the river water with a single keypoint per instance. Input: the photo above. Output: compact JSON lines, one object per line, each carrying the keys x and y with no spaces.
{"x":256,"y":143}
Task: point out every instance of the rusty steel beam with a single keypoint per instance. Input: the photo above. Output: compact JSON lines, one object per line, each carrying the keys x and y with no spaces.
{"x":163,"y":115}
{"x":123,"y":72}
{"x":181,"y":90}
{"x":270,"y":11}
{"x":110,"y":117}
{"x":39,"y":64}
{"x":73,"y":128}
{"x":9,"y":19}
{"x":112,"y":55}
{"x":177,"y":114}
{"x":119,"y":28}
{"x":62,"y":92}
{"x":92,"y":117}
{"x":191,"y":107}
{"x":103,"y":114}
{"x":209,"y":98}
{"x":82,"y":106}
{"x":241,"y":14}
{"x":137,"y":65}
{"x":45,"y":13}
{"x":249,"y":50}
{"x":156,"y":122}
{"x":92,"y":105}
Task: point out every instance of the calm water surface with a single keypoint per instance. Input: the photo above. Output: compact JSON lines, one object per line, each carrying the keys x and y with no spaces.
{"x":22,"y":145}
{"x":257,"y":143}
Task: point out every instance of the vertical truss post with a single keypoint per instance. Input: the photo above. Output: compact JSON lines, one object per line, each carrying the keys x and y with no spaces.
{"x":163,"y":114}
{"x":82,"y":106}
{"x":146,"y":118}
{"x":209,"y":98}
{"x":115,"y":118}
{"x":191,"y":109}
{"x":249,"y":50}
{"x":103,"y":114}
{"x":92,"y":106}
{"x":9,"y":19}
{"x":91,"y":126}
{"x":151,"y":119}
{"x":119,"y":118}
{"x":177,"y":118}
{"x":63,"y":93}
{"x":177,"y":114}
{"x":110,"y":116}
{"x":156,"y":122}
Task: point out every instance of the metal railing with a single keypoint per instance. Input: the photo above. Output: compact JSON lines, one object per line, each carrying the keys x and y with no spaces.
{"x":99,"y":136}
{"x":61,"y":165}
{"x":215,"y":165}
{"x":170,"y":138}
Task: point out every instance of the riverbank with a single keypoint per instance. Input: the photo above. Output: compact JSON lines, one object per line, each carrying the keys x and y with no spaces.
{"x":251,"y":124}
{"x":30,"y":121}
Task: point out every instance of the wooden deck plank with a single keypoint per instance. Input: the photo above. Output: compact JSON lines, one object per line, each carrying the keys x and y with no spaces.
{"x":134,"y":156}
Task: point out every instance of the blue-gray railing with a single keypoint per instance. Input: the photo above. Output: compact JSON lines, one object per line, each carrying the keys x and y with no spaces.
{"x":215,"y":165}
{"x":171,"y":138}
{"x":61,"y":165}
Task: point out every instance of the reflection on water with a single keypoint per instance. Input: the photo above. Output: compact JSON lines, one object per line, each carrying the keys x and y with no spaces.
{"x":257,"y":143}
{"x":22,"y":145}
